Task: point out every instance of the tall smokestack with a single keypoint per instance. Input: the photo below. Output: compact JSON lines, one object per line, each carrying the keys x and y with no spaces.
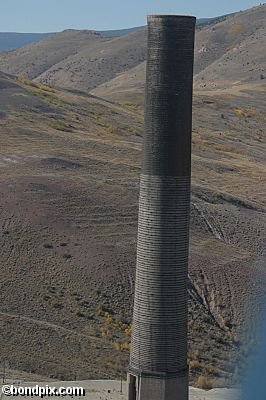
{"x":158,"y":360}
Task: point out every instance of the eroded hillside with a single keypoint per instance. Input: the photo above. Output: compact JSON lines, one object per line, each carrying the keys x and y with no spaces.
{"x":228,"y":51}
{"x":69,"y":176}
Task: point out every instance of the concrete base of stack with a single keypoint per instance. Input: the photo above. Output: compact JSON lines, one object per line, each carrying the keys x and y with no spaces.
{"x":157,"y":388}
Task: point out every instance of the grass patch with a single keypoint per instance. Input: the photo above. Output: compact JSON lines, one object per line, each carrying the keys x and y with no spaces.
{"x":35,"y":85}
{"x":204,"y":382}
{"x":61,"y":126}
{"x":44,"y":92}
{"x":129,"y":105}
{"x":235,"y":28}
{"x":241,"y":112}
{"x":194,"y":365}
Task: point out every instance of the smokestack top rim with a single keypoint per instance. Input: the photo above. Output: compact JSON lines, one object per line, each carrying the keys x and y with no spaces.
{"x":170,"y":16}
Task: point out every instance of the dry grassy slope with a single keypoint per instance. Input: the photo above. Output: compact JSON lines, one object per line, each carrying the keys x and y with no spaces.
{"x":243,"y":36}
{"x":15,"y":96}
{"x":215,"y":41}
{"x":83,"y":60}
{"x":69,"y":181}
{"x":127,"y":86}
{"x":92,"y":66}
{"x":34,"y":59}
{"x":226,"y":53}
{"x":76,"y":59}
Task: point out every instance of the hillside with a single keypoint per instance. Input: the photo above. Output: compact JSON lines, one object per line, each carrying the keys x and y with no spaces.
{"x":69,"y":181}
{"x":76,"y":59}
{"x":91,"y":67}
{"x":69,"y":178}
{"x":36,"y":58}
{"x":227,"y":51}
{"x":235,"y":49}
{"x":15,"y":40}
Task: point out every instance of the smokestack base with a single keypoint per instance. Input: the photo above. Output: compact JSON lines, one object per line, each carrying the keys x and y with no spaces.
{"x":158,"y":388}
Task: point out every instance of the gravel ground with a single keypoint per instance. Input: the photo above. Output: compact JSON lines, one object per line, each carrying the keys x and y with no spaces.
{"x":111,"y":390}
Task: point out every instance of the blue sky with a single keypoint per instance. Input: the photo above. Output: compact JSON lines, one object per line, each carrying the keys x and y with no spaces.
{"x":57,"y":15}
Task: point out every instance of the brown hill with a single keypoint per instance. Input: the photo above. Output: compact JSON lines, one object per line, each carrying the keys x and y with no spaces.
{"x":69,"y":181}
{"x":32,"y":60}
{"x":92,"y":66}
{"x":69,"y":178}
{"x":237,"y":44}
{"x":76,"y":59}
{"x":227,"y":53}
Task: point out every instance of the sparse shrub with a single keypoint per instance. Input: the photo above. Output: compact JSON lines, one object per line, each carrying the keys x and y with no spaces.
{"x":105,"y":332}
{"x":55,"y":303}
{"x":228,"y":323}
{"x":211,"y":369}
{"x":80,"y":314}
{"x":40,"y":90}
{"x":122,"y":346}
{"x":77,"y":296}
{"x":61,"y":126}
{"x":48,"y":246}
{"x":197,"y":354}
{"x":129,"y":105}
{"x":84,"y":303}
{"x":99,"y":310}
{"x":194,"y":365}
{"x":204,"y":382}
{"x":126,"y":346}
{"x":67,"y":256}
{"x":36,"y":85}
{"x":116,"y":346}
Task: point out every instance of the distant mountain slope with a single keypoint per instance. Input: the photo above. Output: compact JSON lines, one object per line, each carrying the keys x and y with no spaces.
{"x":120,"y":32}
{"x":13,"y":40}
{"x":32,"y":60}
{"x":76,"y":59}
{"x":237,"y":43}
{"x":227,"y":48}
{"x":93,"y":65}
{"x":225,"y":53}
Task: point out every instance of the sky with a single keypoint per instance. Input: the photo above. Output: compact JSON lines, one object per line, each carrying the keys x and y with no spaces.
{"x":57,"y":15}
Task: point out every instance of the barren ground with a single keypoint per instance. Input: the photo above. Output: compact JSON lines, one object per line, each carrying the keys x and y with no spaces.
{"x":113,"y":390}
{"x":69,"y":170}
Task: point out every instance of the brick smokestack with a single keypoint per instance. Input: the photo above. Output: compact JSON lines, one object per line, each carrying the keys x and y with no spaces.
{"x":158,"y":360}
